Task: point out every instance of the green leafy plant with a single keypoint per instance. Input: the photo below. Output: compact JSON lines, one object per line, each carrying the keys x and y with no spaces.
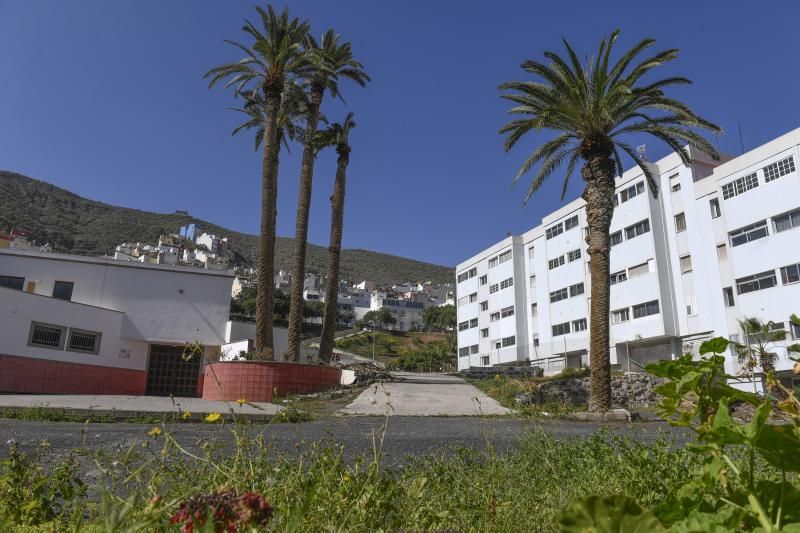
{"x":761,"y":492}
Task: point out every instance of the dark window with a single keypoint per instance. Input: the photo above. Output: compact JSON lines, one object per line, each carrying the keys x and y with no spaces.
{"x":790,"y":273}
{"x":714,"y":206}
{"x":571,"y":222}
{"x":756,"y":282}
{"x":727,"y":294}
{"x":576,"y":289}
{"x":63,"y":290}
{"x":12,"y":282}
{"x":616,"y":238}
{"x":645,"y":309}
{"x":83,"y":341}
{"x":46,"y":335}
{"x":749,"y":233}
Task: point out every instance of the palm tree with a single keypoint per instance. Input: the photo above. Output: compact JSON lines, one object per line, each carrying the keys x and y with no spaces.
{"x":274,"y":58}
{"x":590,"y":108}
{"x":337,"y":135}
{"x":758,"y":349}
{"x":329,"y":60}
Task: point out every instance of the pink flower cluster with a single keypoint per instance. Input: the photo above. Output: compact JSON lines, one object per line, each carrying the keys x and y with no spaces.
{"x":227,"y":509}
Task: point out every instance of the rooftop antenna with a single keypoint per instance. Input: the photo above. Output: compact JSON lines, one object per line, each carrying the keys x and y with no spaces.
{"x":741,"y":140}
{"x":642,"y":151}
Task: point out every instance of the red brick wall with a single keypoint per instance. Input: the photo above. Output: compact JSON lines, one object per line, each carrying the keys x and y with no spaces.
{"x":44,"y":376}
{"x":259,"y":381}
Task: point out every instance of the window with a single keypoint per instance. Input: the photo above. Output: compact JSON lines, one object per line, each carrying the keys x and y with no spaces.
{"x":579,"y":325}
{"x":473,"y":297}
{"x":637,"y":229}
{"x":722,"y":252}
{"x":778,"y":169}
{"x":713,"y":204}
{"x":638,"y":270}
{"x":505,"y":256}
{"x":12,"y":282}
{"x":686,"y":264}
{"x":571,"y":222}
{"x":473,"y":349}
{"x":471,"y":273}
{"x":618,"y":277}
{"x":493,"y":288}
{"x":630,"y":192}
{"x":790,"y":273}
{"x":484,"y":306}
{"x":485,"y":333}
{"x":534,"y":309}
{"x":463,"y":277}
{"x":552,"y":231}
{"x":555,"y":263}
{"x":473,"y":323}
{"x":63,"y":290}
{"x":739,"y":186}
{"x":575,"y":290}
{"x":463,"y":301}
{"x":485,"y":360}
{"x":46,"y":336}
{"x":557,"y":296}
{"x":560,"y":329}
{"x":727,"y":296}
{"x":782,"y":222}
{"x":83,"y":341}
{"x":749,"y":233}
{"x":509,"y":341}
{"x":574,"y":255}
{"x":484,"y":279}
{"x":506,"y":283}
{"x":494,"y":317}
{"x":795,"y":330}
{"x":756,"y":282}
{"x":532,"y":282}
{"x":536,"y":341}
{"x":463,"y":352}
{"x":645,"y":309}
{"x":680,"y":222}
{"x":507,"y":311}
{"x":620,"y":315}
{"x":616,"y":238}
{"x":530,"y":253}
{"x":676,"y":187}
{"x":616,"y":200}
{"x":463,"y":325}
{"x":493,"y":262}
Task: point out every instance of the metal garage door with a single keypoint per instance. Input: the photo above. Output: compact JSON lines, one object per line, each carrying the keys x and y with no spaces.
{"x":168,"y":373}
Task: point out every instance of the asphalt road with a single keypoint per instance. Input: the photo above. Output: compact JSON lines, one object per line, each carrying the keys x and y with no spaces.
{"x":404,"y":436}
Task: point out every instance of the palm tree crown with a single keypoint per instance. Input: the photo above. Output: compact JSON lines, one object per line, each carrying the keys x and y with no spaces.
{"x":337,"y":135}
{"x":294,"y":104}
{"x":329,"y":60}
{"x":594,"y":106}
{"x":274,"y":57}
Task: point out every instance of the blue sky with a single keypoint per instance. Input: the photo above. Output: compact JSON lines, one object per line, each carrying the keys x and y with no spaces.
{"x":107,"y":99}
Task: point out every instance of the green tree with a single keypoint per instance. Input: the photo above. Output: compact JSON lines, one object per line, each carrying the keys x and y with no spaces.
{"x":272,"y":60}
{"x":758,"y":349}
{"x":329,"y":60}
{"x":590,"y":108}
{"x":382,"y":318}
{"x":337,"y":135}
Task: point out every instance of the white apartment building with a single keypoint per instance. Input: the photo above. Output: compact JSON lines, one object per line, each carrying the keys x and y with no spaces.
{"x":715,"y":246}
{"x":74,"y":324}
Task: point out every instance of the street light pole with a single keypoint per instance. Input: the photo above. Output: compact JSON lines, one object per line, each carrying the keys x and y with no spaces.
{"x":372,"y":323}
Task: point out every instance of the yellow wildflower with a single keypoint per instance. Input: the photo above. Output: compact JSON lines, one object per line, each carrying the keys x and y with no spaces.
{"x":241,"y":401}
{"x":213,"y":417}
{"x":186,"y":415}
{"x":154,"y":432}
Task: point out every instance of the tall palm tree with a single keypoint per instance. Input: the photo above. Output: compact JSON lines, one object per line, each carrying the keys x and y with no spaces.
{"x":329,"y":60}
{"x":590,"y":108}
{"x":274,"y":58}
{"x":337,"y":135}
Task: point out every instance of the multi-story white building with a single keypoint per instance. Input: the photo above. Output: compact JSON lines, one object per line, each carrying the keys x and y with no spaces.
{"x":716,"y":245}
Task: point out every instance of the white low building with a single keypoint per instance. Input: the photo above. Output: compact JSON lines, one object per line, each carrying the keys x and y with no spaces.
{"x":715,"y":246}
{"x":95,"y":325}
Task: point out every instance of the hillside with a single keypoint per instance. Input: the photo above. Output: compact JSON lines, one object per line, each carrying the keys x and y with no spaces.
{"x":78,"y":225}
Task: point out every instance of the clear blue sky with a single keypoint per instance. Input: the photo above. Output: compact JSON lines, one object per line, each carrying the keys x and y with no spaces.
{"x":107,"y":99}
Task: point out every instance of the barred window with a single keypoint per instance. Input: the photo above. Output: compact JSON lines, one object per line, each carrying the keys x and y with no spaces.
{"x":645,"y":309}
{"x":778,"y":169}
{"x":47,"y":335}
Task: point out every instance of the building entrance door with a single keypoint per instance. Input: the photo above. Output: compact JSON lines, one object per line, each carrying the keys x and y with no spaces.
{"x":168,"y":373}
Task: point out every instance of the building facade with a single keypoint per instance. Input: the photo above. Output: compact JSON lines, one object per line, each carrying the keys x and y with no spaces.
{"x":715,"y":245}
{"x":74,"y":324}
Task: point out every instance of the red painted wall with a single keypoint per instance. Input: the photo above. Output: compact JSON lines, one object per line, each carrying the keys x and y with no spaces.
{"x":44,"y":376}
{"x":260,"y":381}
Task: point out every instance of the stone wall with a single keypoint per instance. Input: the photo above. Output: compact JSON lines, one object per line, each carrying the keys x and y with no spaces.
{"x":633,"y":388}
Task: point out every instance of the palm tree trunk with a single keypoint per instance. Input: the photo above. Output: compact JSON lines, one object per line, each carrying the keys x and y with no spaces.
{"x":301,"y":227}
{"x":334,"y":253}
{"x":266,"y":245}
{"x":598,"y":173}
